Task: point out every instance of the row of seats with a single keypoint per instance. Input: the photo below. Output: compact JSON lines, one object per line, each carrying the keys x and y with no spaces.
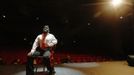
{"x":75,"y":58}
{"x":19,"y":56}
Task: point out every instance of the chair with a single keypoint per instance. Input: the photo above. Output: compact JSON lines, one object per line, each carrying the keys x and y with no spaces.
{"x":39,"y":59}
{"x":38,"y":63}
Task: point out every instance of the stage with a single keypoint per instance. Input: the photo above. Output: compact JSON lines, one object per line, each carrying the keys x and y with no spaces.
{"x":87,"y":68}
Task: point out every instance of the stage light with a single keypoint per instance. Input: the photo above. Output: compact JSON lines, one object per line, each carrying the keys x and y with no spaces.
{"x":116,"y":3}
{"x":88,"y":24}
{"x":37,"y":18}
{"x":4,"y":16}
{"x":121,"y":17}
{"x":25,"y":39}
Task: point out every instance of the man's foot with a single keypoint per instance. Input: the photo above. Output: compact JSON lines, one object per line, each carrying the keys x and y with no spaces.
{"x":51,"y":73}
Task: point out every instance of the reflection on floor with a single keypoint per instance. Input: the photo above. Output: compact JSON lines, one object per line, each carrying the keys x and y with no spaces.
{"x":90,"y":68}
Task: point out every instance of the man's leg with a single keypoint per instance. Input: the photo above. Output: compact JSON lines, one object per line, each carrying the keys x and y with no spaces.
{"x":47,"y":61}
{"x":52,"y":63}
{"x":29,"y":66}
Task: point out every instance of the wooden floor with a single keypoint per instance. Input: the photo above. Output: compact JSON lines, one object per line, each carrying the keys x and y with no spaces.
{"x":88,"y":68}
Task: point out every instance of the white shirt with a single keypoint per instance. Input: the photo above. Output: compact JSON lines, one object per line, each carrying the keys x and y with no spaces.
{"x":50,"y":41}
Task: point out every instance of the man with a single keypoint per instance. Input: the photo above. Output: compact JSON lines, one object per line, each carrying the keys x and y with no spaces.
{"x":42,"y":45}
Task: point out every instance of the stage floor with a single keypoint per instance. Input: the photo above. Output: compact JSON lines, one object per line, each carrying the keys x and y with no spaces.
{"x":88,"y":68}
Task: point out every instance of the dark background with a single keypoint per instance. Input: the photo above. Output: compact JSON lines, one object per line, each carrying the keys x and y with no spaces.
{"x":79,"y":25}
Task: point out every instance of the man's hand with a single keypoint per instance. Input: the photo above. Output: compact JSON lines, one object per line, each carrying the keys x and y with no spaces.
{"x":29,"y":54}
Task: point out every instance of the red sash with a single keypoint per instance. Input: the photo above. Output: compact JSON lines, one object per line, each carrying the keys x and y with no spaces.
{"x":42,"y":41}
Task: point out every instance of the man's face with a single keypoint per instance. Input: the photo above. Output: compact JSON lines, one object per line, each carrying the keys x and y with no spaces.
{"x":46,"y":29}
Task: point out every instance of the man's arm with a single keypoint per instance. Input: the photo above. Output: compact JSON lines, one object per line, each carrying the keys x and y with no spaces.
{"x":53,"y":41}
{"x":35,"y":45}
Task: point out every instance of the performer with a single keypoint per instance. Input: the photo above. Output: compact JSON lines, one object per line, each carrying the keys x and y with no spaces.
{"x":42,"y":45}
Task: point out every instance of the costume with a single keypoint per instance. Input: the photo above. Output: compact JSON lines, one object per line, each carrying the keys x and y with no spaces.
{"x":42,"y":46}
